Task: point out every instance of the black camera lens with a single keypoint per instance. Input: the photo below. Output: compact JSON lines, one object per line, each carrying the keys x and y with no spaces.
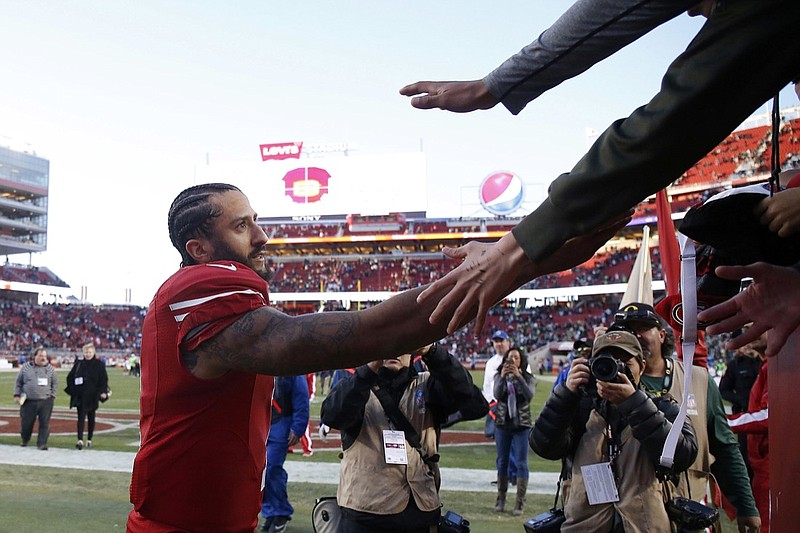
{"x":605,"y":367}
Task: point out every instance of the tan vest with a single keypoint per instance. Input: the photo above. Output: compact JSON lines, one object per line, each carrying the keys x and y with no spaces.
{"x":367,"y":483}
{"x":700,"y":470}
{"x":641,"y":502}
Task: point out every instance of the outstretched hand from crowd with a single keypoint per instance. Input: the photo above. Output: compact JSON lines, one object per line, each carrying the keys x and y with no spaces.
{"x":489,"y":272}
{"x":771,"y":303}
{"x":456,"y":96}
{"x":781,"y":212}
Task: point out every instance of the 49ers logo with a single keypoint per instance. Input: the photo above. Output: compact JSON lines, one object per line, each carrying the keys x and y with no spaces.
{"x":306,"y":185}
{"x":281,"y":151}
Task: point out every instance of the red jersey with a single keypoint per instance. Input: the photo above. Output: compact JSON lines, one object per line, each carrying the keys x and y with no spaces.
{"x":201,"y":462}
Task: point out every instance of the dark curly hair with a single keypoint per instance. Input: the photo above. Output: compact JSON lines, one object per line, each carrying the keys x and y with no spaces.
{"x":191,"y":213}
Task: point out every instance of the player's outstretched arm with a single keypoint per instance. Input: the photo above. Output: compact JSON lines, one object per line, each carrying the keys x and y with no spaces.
{"x":771,"y":303}
{"x":456,"y":96}
{"x":266,"y":341}
{"x":489,"y":272}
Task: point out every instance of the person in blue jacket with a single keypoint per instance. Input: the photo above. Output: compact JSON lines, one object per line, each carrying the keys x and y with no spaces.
{"x":289,"y":420}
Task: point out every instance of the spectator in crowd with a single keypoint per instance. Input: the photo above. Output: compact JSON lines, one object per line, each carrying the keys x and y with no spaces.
{"x":389,"y":417}
{"x":753,"y":423}
{"x":681,"y":124}
{"x":514,"y":387}
{"x":613,"y":431}
{"x":718,"y":450}
{"x":290,"y":409}
{"x":87,"y":386}
{"x":740,"y":374}
{"x":35,"y":392}
{"x":500,"y":344}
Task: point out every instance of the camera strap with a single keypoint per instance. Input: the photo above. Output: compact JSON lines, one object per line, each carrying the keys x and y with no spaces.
{"x":688,"y":341}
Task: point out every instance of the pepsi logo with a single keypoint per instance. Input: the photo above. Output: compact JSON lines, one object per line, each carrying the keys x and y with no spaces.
{"x":501,"y":193}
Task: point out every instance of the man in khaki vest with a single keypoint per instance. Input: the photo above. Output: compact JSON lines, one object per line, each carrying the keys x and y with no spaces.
{"x":718,"y":449}
{"x":386,"y":485}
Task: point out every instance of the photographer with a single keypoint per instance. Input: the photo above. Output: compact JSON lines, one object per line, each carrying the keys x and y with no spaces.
{"x":611,"y":433}
{"x":717,"y":448}
{"x":385,"y":484}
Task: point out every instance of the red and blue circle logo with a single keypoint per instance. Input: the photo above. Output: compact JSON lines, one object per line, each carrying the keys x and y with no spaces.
{"x":501,"y":193}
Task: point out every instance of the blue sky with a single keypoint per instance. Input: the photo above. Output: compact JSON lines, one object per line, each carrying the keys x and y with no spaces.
{"x":127,"y":99}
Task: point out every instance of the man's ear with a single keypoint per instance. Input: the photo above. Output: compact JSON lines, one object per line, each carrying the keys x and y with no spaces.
{"x":199,"y":250}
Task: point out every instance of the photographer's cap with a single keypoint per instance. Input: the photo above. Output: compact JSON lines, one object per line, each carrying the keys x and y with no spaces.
{"x":500,"y":335}
{"x":618,"y":339}
{"x":638,"y":313}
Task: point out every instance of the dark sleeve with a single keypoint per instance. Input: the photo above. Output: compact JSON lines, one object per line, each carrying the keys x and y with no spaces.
{"x":650,"y":425}
{"x":102,"y":384}
{"x":450,"y":385}
{"x":552,"y":435}
{"x":343,"y":409}
{"x":728,"y":466}
{"x":500,"y":389}
{"x":728,"y":382}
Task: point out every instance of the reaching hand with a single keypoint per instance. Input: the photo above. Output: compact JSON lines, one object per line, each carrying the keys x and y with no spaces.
{"x":781,"y":212}
{"x":771,"y":303}
{"x":489,"y":272}
{"x":456,"y":96}
{"x":748,"y":524}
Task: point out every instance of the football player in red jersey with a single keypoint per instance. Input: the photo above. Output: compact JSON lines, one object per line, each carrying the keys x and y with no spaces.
{"x":210,"y":344}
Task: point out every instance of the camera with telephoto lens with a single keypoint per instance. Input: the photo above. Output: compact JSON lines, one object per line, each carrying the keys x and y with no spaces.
{"x":453,"y":523}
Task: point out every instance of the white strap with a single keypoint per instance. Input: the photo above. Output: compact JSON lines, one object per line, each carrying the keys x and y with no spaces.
{"x":688,"y":341}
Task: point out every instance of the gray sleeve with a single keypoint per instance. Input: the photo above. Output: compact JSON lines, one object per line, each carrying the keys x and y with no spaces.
{"x":587,"y":33}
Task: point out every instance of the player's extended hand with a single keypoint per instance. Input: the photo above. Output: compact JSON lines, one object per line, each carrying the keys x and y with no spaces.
{"x":457,"y":96}
{"x":771,"y":303}
{"x":489,"y":272}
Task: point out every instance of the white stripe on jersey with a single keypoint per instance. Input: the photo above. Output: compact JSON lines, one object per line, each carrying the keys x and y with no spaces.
{"x":199,"y":301}
{"x":749,"y":418}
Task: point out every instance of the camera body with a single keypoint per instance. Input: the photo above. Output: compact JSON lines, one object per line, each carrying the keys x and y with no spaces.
{"x":604,"y":366}
{"x":452,"y":522}
{"x":549,"y":522}
{"x":690,"y":515}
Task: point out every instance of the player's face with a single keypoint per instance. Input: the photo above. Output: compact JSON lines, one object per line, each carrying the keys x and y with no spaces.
{"x":237,"y":236}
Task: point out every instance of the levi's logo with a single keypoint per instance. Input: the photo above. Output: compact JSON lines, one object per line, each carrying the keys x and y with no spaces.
{"x":230,"y":267}
{"x":281,"y":151}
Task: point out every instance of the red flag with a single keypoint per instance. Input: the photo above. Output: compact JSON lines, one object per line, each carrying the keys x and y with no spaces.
{"x":671,"y":267}
{"x":667,"y":243}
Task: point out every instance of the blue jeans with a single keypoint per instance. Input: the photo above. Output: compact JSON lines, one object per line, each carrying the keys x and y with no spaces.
{"x":512,"y":443}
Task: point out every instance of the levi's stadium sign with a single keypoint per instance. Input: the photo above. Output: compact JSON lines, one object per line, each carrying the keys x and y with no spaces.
{"x":279,"y":151}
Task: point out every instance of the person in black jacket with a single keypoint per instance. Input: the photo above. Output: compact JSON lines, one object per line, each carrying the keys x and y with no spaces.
{"x":611,"y":433}
{"x":387,"y":482}
{"x":87,"y":386}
